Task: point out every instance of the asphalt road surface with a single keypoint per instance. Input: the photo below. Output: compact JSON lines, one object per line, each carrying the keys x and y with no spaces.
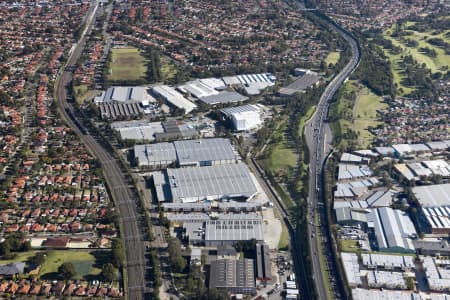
{"x":319,"y":141}
{"x":115,"y":179}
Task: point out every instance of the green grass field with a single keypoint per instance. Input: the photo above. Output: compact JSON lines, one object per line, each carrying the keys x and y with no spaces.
{"x":332,"y":58}
{"x":280,"y":160}
{"x":283,"y":244}
{"x":82,"y":93}
{"x":280,"y":156}
{"x":83,"y":262}
{"x":364,"y":113}
{"x":348,"y":246}
{"x":168,"y":70}
{"x":20,"y":257}
{"x":127,"y":64}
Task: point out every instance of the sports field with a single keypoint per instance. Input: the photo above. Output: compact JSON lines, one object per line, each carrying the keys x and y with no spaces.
{"x":127,"y":64}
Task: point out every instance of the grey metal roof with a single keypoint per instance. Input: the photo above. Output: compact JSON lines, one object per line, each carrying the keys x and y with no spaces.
{"x":193,"y":151}
{"x":393,"y":228}
{"x":240,"y":229}
{"x":155,"y":153}
{"x":126,"y":93}
{"x":224,"y":97}
{"x":239,"y":109}
{"x":12,"y":268}
{"x":300,"y":84}
{"x":433,"y":195}
{"x":212,"y":182}
{"x":226,"y":273}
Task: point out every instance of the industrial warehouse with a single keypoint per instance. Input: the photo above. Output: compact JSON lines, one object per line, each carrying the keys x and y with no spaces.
{"x":435,"y":204}
{"x":200,"y":152}
{"x":154,"y":131}
{"x":193,"y":184}
{"x":244,"y":118}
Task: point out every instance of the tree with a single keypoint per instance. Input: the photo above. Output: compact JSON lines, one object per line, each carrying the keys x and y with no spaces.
{"x":67,"y":270}
{"x":38,"y":259}
{"x":108,"y":272}
{"x":118,"y":252}
{"x":175,"y":256}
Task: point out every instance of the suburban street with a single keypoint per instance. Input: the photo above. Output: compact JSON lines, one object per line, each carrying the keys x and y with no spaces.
{"x":319,"y":141}
{"x":115,"y":178}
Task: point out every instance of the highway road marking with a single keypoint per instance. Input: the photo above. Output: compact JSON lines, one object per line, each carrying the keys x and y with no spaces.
{"x":130,"y":238}
{"x":136,"y":287}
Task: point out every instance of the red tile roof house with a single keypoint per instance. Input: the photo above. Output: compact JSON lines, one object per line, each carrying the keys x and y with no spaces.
{"x":56,"y":242}
{"x":4,"y":286}
{"x":58,"y":288}
{"x":24,"y":289}
{"x":91,"y":291}
{"x":35,"y":290}
{"x":69,"y":289}
{"x":13,"y":288}
{"x":80,"y":291}
{"x":45,"y":289}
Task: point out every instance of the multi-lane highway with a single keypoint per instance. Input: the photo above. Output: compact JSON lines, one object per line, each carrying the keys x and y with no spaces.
{"x":319,"y":140}
{"x":116,"y":180}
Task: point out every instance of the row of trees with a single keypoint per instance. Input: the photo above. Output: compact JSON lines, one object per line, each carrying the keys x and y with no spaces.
{"x":374,"y":70}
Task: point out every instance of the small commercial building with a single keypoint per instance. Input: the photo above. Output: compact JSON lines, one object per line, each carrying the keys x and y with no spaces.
{"x":244,"y":118}
{"x":234,"y":276}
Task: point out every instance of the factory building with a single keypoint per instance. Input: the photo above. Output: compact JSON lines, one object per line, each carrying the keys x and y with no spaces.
{"x":244,"y":118}
{"x":393,"y":229}
{"x":230,"y":231}
{"x":188,"y":153}
{"x":433,"y":195}
{"x":435,"y":203}
{"x":174,"y":98}
{"x":223,"y":97}
{"x":191,"y":184}
{"x":124,"y":94}
{"x":154,"y":131}
{"x":155,"y":156}
{"x":204,"y":152}
{"x":234,"y":276}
